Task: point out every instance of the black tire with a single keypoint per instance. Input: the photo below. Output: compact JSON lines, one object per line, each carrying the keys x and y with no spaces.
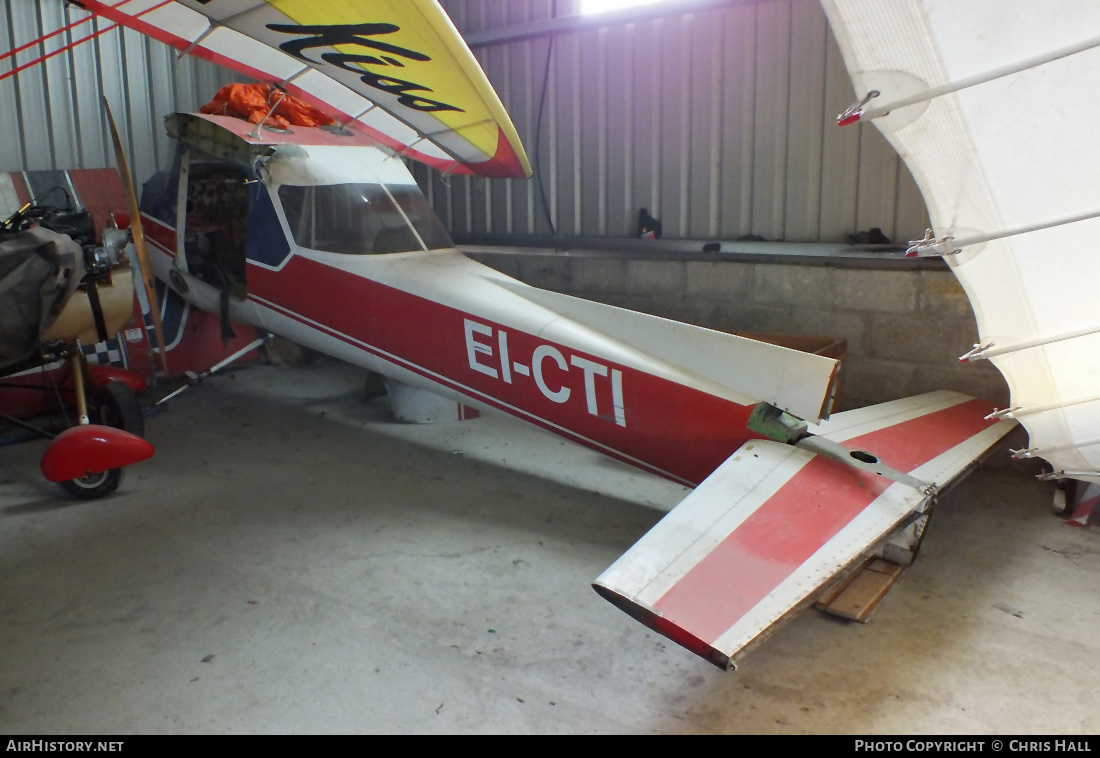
{"x":95,"y":485}
{"x":113,"y":405}
{"x":116,"y":405}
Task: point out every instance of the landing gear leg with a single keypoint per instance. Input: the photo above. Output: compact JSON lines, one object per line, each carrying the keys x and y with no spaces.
{"x":113,"y":405}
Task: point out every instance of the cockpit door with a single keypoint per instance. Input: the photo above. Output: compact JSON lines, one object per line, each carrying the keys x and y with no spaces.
{"x":215,"y":226}
{"x":212,"y":222}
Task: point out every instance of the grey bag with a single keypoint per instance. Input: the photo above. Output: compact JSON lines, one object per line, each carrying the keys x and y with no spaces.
{"x":39,"y":271}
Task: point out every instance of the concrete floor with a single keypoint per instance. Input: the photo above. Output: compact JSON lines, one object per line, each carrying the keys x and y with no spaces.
{"x":292,"y":562}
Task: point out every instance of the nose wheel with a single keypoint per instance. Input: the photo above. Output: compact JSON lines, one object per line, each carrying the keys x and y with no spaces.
{"x":113,"y":405}
{"x":87,"y":459}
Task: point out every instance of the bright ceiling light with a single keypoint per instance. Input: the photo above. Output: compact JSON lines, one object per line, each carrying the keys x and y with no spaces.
{"x":599,"y":6}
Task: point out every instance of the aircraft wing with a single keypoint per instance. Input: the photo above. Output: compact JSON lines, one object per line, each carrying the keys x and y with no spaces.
{"x":395,"y":69}
{"x":985,"y":103}
{"x":775,"y":524}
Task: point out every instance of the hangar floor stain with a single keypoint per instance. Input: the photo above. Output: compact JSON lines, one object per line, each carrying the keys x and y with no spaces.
{"x":292,"y":561}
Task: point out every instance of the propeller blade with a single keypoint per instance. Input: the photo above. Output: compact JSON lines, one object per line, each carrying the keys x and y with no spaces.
{"x":138,"y":234}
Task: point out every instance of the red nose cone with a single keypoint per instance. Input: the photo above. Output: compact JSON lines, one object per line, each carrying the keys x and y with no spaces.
{"x":92,"y":449}
{"x":842,"y":121}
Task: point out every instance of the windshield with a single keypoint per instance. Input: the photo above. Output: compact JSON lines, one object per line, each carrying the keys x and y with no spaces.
{"x":361,"y":219}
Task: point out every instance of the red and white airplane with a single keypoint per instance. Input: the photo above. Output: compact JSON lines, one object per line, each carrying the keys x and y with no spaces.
{"x":320,"y":234}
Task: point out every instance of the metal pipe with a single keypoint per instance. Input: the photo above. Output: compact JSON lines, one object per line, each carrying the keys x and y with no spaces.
{"x":950,"y":245}
{"x":78,"y":386}
{"x":992,"y":351}
{"x":836,"y":254}
{"x":1018,"y":411}
{"x":25,"y":425}
{"x":986,"y":76}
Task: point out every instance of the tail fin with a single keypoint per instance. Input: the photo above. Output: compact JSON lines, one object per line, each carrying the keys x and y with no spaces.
{"x":776,"y":524}
{"x":740,"y":369}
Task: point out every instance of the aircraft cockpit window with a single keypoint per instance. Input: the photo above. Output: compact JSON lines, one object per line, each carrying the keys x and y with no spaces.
{"x":361,"y":219}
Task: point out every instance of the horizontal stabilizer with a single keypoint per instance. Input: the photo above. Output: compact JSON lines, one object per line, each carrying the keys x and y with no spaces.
{"x":775,"y":524}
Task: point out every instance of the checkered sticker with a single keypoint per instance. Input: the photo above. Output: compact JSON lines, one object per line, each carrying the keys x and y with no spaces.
{"x":103,"y":353}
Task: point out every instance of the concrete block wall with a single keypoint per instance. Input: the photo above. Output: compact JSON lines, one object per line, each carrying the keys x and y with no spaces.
{"x":905,"y":329}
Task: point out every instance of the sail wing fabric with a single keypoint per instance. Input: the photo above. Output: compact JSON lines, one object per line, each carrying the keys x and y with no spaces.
{"x":396,"y":69}
{"x":1011,"y":146}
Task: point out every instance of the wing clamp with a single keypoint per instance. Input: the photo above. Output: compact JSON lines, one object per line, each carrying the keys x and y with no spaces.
{"x":865,"y":461}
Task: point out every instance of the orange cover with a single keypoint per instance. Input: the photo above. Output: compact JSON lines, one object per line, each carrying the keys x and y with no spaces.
{"x":253,"y":101}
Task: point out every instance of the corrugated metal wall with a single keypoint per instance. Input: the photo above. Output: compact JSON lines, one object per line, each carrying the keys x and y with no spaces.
{"x":720,"y":121}
{"x":51,"y":116}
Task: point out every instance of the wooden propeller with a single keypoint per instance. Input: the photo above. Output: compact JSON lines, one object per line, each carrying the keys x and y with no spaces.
{"x":138,"y":234}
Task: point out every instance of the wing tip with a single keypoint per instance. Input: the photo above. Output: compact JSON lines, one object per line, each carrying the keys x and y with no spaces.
{"x":662,"y":625}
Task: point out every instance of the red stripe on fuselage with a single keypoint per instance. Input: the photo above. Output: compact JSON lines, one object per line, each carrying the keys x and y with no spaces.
{"x":160,"y":233}
{"x":683,"y":433}
{"x":809,"y":510}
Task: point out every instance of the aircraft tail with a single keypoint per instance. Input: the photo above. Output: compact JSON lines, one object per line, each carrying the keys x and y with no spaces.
{"x":740,"y":369}
{"x":776,"y":524}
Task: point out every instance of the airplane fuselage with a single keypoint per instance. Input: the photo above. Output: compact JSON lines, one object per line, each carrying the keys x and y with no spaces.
{"x":436,"y":320}
{"x":475,"y":356}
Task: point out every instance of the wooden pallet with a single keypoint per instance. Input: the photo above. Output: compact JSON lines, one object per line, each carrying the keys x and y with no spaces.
{"x":860,"y":593}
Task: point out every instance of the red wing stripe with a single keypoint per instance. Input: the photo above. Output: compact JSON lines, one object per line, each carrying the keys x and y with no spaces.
{"x":807,"y":512}
{"x":913,"y":443}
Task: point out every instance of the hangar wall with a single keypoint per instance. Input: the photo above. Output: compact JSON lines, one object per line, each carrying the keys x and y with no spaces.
{"x":634,"y":116}
{"x":904,"y":328}
{"x":719,"y":119}
{"x":52,"y":115}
